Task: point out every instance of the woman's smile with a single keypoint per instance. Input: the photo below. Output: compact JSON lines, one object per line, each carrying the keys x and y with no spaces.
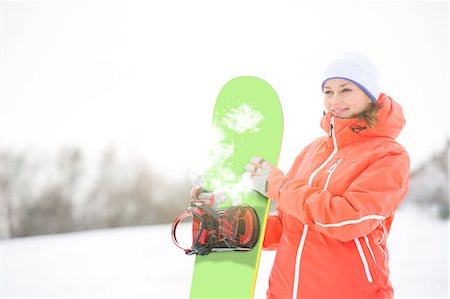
{"x":339,"y":112}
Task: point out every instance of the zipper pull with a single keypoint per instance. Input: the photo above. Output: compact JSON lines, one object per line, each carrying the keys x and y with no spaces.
{"x":331,"y":126}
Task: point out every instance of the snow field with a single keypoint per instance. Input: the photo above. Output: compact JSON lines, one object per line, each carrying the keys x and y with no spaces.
{"x":142,"y":262}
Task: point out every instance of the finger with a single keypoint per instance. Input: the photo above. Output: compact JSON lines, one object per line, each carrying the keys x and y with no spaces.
{"x":254,"y":169}
{"x":205,"y":196}
{"x":251,"y":168}
{"x":261,"y":163}
{"x":266,"y":164}
{"x":257,"y":160}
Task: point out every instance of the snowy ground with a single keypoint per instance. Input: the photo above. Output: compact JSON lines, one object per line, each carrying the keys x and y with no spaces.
{"x":143,"y":263}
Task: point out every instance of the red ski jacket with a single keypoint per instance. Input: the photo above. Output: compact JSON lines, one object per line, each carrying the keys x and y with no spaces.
{"x":335,"y":208}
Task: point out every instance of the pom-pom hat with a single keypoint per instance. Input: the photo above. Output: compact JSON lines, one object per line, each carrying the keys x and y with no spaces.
{"x":357,"y":68}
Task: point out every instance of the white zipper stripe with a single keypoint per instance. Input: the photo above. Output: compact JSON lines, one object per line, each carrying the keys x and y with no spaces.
{"x":354,"y":221}
{"x":330,"y":173}
{"x":311,"y":177}
{"x":370,"y":249}
{"x":297,"y":261}
{"x":364,"y":260}
{"x":305,"y":227}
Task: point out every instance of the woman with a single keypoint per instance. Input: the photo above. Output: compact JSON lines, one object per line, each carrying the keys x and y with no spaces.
{"x":337,"y":202}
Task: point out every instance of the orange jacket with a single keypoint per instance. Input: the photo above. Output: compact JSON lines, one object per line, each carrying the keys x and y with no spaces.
{"x":335,"y":208}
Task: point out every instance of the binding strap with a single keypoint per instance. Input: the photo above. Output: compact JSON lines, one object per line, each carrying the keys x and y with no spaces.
{"x":175,"y":223}
{"x":204,"y":229}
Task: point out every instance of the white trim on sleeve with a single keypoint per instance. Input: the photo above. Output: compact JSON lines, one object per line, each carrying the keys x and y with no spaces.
{"x":354,"y":221}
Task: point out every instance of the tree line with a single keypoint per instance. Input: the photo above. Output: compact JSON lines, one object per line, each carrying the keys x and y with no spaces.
{"x":66,"y":193}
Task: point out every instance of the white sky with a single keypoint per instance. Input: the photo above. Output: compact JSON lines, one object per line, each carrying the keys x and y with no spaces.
{"x":144,"y":75}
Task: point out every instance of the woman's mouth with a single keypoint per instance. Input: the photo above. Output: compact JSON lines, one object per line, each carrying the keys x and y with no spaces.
{"x":339,"y":112}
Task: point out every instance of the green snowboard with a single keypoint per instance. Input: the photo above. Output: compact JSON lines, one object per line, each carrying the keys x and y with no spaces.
{"x":247,"y":121}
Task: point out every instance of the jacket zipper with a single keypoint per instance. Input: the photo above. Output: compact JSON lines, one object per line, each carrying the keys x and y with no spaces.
{"x":305,"y":227}
{"x":335,"y":149}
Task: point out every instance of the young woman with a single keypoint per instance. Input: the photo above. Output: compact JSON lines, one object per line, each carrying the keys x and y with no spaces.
{"x":337,"y":202}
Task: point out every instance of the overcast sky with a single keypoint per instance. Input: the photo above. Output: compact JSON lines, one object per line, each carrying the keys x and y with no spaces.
{"x":144,"y":75}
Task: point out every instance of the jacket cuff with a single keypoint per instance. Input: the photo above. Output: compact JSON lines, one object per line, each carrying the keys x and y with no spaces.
{"x":275,"y":181}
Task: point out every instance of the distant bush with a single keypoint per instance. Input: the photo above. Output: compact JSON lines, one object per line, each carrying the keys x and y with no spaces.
{"x":46,"y":195}
{"x":429,"y":184}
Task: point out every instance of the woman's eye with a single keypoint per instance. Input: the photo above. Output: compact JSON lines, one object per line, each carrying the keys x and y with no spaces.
{"x":346,"y":90}
{"x":327,"y":92}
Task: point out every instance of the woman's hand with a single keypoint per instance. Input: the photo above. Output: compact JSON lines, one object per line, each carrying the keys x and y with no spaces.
{"x":256,"y":175}
{"x":207,"y":198}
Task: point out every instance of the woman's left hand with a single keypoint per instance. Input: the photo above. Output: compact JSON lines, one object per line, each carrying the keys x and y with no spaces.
{"x":257,"y":174}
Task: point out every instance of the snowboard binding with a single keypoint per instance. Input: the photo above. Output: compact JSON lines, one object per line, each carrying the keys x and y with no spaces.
{"x":219,"y":229}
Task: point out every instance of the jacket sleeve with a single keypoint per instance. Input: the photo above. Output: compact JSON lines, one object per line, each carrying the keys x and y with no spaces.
{"x":274,"y":229}
{"x":372,"y":197}
{"x":274,"y":226}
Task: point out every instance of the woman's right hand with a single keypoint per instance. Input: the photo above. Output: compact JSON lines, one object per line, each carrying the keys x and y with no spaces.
{"x":207,"y":198}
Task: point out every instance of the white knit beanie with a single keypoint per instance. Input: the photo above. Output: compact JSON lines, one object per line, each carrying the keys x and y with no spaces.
{"x":357,"y":68}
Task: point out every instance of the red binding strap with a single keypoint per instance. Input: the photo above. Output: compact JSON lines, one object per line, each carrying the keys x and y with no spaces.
{"x":175,"y":223}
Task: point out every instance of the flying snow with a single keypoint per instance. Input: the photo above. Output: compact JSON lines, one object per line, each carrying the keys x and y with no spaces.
{"x":243,"y":119}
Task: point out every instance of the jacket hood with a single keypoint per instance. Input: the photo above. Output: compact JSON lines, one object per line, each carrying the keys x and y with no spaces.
{"x":390,"y":122}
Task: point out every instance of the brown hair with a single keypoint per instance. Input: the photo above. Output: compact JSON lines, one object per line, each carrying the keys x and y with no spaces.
{"x":370,"y":114}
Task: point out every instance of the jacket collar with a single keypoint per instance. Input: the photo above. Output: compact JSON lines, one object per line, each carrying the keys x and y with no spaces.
{"x":390,"y":121}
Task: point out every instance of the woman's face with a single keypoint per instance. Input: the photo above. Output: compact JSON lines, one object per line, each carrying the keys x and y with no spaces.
{"x":344,"y":99}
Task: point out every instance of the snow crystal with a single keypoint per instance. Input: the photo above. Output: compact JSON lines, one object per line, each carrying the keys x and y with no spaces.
{"x":243,"y":119}
{"x":231,"y":185}
{"x":210,"y":154}
{"x":219,"y":152}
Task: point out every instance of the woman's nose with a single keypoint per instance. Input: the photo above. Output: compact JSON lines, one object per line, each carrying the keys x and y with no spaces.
{"x":335,"y":99}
